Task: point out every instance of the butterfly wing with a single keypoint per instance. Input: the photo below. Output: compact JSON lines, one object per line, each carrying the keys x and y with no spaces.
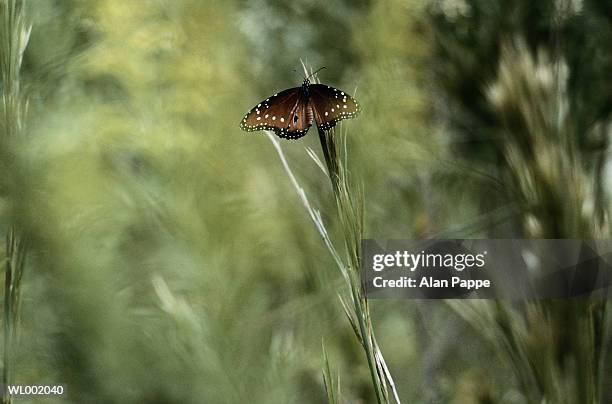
{"x":331,"y":105}
{"x":284,"y":113}
{"x":298,"y":122}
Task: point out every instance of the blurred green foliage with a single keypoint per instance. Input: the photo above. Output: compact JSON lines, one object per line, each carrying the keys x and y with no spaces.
{"x":171,"y":260}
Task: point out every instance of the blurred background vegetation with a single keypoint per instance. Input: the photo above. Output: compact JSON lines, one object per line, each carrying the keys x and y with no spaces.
{"x":170,"y":260}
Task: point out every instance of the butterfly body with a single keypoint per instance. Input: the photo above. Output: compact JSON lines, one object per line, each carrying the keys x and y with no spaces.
{"x":290,"y":113}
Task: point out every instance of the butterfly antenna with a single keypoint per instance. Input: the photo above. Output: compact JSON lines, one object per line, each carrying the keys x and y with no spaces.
{"x":317,"y":71}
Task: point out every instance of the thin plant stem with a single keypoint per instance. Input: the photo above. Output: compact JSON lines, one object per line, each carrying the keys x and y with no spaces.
{"x":352,"y":223}
{"x":16,"y":248}
{"x":351,"y":217}
{"x":14,"y":36}
{"x":315,"y":215}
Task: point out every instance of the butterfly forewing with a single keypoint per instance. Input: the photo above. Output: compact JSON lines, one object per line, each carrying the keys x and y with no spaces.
{"x":284,"y":113}
{"x":331,"y":105}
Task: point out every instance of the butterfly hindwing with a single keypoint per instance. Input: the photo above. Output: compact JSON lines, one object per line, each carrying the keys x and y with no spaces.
{"x":298,"y":122}
{"x":283,"y":113}
{"x":331,"y":105}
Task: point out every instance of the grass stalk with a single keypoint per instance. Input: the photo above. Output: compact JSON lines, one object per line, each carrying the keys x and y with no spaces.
{"x":349,"y":202}
{"x":328,"y":380}
{"x":16,"y":248}
{"x":14,"y":36}
{"x":555,"y":347}
{"x":350,"y":211}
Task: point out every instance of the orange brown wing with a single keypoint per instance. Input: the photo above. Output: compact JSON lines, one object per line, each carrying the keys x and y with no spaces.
{"x":283,"y":113}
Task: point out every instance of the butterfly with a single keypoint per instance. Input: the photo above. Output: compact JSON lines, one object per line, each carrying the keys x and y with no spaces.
{"x":291,"y":112}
